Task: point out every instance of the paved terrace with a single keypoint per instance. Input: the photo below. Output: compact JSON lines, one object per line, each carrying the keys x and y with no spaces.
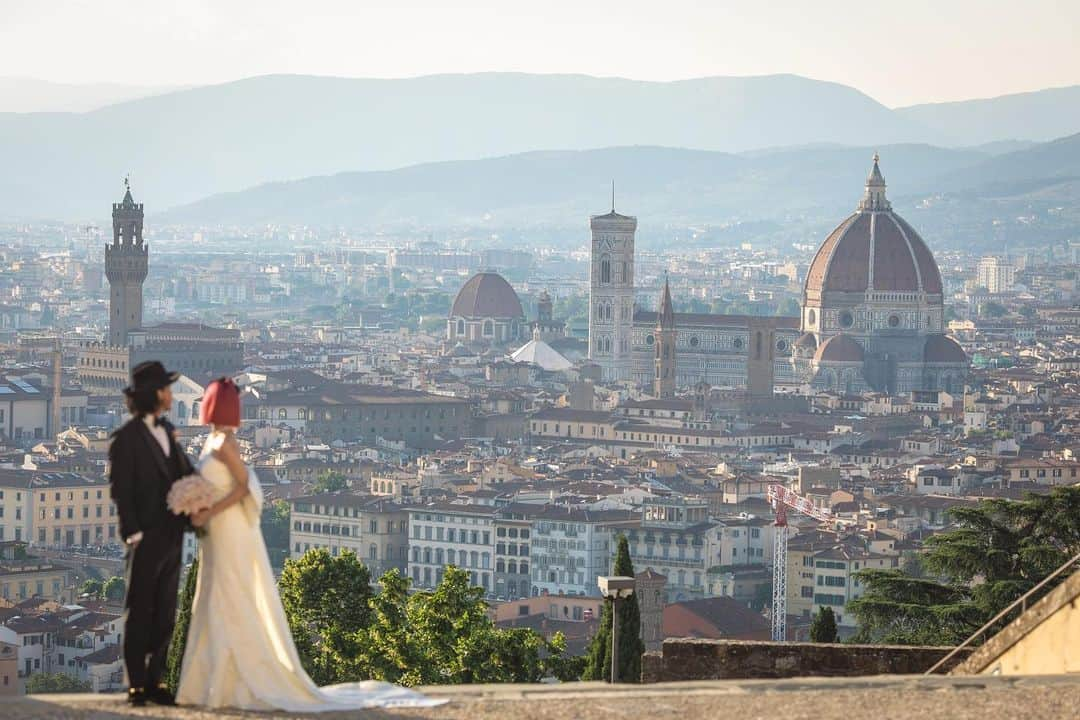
{"x":892,"y":697}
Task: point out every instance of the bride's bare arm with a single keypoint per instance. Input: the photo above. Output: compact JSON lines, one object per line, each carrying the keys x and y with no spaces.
{"x":228,"y":453}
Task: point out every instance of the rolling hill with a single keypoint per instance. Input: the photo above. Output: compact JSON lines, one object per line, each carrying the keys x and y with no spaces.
{"x":665,"y":185}
{"x":189,"y":144}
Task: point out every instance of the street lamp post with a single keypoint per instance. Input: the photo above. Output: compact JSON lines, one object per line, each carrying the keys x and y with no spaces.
{"x":615,"y":588}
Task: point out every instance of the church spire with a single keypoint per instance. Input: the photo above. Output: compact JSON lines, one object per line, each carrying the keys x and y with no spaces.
{"x":665,"y":362}
{"x":665,"y":316}
{"x":874,"y":196}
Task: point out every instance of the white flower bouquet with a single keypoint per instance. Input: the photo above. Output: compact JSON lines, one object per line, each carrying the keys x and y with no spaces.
{"x":189,"y":495}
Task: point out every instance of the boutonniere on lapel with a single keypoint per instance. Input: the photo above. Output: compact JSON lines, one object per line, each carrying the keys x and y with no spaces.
{"x":189,"y":495}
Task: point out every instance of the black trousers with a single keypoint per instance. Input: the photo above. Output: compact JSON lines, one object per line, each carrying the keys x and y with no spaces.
{"x":153,"y":580}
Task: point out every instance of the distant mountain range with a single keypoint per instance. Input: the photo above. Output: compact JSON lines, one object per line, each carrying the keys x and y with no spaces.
{"x":186,"y":145}
{"x":29,"y":95}
{"x":1041,"y":115}
{"x":663,"y":186}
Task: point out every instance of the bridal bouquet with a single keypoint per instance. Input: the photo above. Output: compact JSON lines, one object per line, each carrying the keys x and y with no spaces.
{"x":189,"y":495}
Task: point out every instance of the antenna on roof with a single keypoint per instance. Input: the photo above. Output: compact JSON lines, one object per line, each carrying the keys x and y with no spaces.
{"x":613,"y":195}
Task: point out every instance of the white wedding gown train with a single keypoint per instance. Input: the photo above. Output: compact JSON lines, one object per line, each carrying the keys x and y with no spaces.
{"x":240,"y":653}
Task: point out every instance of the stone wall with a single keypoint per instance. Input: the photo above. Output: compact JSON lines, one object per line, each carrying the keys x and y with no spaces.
{"x":692,"y":659}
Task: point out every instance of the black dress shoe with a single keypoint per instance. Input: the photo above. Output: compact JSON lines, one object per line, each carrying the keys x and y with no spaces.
{"x":161,"y":696}
{"x":136,"y":697}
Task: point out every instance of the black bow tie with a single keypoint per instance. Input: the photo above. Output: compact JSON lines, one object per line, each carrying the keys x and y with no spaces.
{"x":159,"y":421}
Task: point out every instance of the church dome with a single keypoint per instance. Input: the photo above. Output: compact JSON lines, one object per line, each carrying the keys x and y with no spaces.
{"x":839,"y":348}
{"x":943,"y":349}
{"x":874,"y":250}
{"x":487,"y":295}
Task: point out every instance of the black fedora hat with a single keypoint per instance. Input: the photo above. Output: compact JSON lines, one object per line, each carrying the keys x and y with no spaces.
{"x":150,"y":375}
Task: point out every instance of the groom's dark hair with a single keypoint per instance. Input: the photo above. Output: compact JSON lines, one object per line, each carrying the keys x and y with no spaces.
{"x":142,"y":402}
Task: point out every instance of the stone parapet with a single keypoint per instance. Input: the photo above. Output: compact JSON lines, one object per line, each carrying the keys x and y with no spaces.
{"x":693,"y":659}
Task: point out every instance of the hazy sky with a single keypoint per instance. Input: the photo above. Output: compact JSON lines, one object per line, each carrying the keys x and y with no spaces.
{"x":899,"y":52}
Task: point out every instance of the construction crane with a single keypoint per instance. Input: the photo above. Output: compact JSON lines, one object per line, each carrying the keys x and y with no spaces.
{"x":781,"y":498}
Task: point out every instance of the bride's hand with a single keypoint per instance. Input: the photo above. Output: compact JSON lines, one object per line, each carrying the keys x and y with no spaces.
{"x":201,"y":518}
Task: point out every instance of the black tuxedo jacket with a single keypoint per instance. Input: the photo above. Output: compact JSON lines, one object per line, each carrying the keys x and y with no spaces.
{"x":140,"y":476}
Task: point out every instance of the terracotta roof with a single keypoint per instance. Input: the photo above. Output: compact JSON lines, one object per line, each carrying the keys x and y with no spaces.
{"x":487,"y":294}
{"x":839,"y":348}
{"x":943,"y":349}
{"x":717,"y":617}
{"x":874,"y":249}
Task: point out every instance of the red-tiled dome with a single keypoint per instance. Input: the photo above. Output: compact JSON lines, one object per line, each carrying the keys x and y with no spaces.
{"x":943,"y":349}
{"x":839,"y":348}
{"x":487,"y":295}
{"x":874,"y":249}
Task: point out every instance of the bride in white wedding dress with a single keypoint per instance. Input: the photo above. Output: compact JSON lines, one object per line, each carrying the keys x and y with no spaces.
{"x":239,"y":652}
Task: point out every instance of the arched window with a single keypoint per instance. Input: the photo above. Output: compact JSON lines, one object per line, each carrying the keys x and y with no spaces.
{"x":605,"y":271}
{"x":460,"y":327}
{"x":283,"y":414}
{"x":489,"y":328}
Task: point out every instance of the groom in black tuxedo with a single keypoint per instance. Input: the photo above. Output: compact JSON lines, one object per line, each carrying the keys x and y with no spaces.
{"x":144,"y":461}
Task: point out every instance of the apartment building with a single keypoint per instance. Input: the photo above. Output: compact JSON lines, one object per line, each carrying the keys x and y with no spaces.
{"x":674,"y":540}
{"x":23,"y":576}
{"x":72,"y":510}
{"x":513,"y":531}
{"x":571,"y":548}
{"x":442,"y":534}
{"x":374,"y":528}
{"x":55,"y":509}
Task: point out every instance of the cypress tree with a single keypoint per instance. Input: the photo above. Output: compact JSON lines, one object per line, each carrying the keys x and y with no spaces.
{"x":180,"y":631}
{"x":823,"y":628}
{"x":631,"y":648}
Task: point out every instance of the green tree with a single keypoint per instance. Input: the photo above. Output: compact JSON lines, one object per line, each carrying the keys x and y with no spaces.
{"x":275,"y":530}
{"x":445,"y":636}
{"x":823,"y":627}
{"x":993,"y":310}
{"x":329,"y":481}
{"x":326,"y":600}
{"x":442,"y":636}
{"x":180,"y":630}
{"x":999,"y":550}
{"x":55,"y":683}
{"x":92,"y":588}
{"x":598,"y":658}
{"x":114,"y":589}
